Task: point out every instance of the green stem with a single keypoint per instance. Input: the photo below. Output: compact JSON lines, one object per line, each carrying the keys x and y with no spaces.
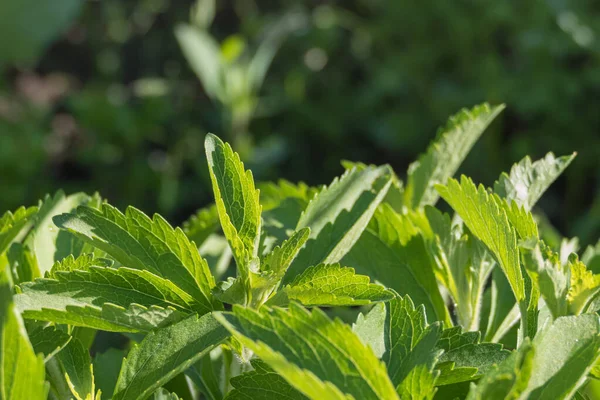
{"x":524,"y":321}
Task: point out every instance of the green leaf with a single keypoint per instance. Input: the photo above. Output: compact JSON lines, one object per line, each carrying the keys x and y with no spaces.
{"x":106,"y":369}
{"x":464,"y":357}
{"x":237,"y":201}
{"x":48,"y":341}
{"x":77,"y":368}
{"x":584,"y":286}
{"x":262,"y":383}
{"x":165,"y":353}
{"x":119,"y":286}
{"x":138,"y":242}
{"x":200,"y":225}
{"x":548,"y":274}
{"x":81,"y":263}
{"x":107,"y":317}
{"x":553,"y":366}
{"x":21,"y":370}
{"x":509,"y":379}
{"x":394,"y":196}
{"x":369,"y":328}
{"x":273,"y":194}
{"x":462,"y":263}
{"x":275,"y":265}
{"x":202,"y":53}
{"x":319,"y":357}
{"x":486,"y":217}
{"x":527,"y":181}
{"x":446,"y":153}
{"x":12,"y":224}
{"x":331,"y":285}
{"x":410,"y":344}
{"x":338,"y":215}
{"x":399,"y":259}
{"x":564,"y":355}
{"x":163,"y":394}
{"x":48,"y":243}
{"x":419,"y":384}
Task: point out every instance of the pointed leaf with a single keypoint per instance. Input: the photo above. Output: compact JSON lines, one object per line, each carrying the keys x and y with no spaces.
{"x":108,"y":317}
{"x":319,"y":357}
{"x":12,"y":224}
{"x":331,"y":285}
{"x":48,"y":243}
{"x":370,"y":327}
{"x":76,"y":365}
{"x":101,"y":285}
{"x":21,"y":370}
{"x":486,"y":218}
{"x":138,"y":242}
{"x":584,"y":285}
{"x":48,"y":341}
{"x":446,"y":153}
{"x":165,"y":353}
{"x":399,"y":260}
{"x":338,"y":215}
{"x":527,"y":181}
{"x":262,"y":383}
{"x":464,"y":358}
{"x":409,"y":341}
{"x":236,"y":198}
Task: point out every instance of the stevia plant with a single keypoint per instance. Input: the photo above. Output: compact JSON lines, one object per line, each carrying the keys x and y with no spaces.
{"x":246,"y":300}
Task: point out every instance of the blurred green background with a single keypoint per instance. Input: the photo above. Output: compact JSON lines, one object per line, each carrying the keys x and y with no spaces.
{"x":116,"y":96}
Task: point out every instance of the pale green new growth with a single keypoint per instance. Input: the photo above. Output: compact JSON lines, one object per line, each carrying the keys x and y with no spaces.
{"x":165,"y":353}
{"x":138,"y":242}
{"x":486,"y":217}
{"x":21,"y":370}
{"x":527,"y":181}
{"x":584,"y":286}
{"x":331,"y":285}
{"x":446,"y":153}
{"x":321,"y":358}
{"x":237,"y":200}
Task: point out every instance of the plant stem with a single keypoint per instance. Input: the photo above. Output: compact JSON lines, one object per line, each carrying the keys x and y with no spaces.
{"x":524,"y":322}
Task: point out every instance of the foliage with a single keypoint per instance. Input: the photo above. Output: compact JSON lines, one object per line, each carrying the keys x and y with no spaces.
{"x":435,"y":293}
{"x":113,"y":90}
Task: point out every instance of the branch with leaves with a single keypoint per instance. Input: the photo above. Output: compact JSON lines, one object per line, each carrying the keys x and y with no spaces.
{"x":360,"y":289}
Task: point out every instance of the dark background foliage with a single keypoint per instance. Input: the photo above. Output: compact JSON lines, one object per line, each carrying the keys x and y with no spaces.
{"x":97,"y":95}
